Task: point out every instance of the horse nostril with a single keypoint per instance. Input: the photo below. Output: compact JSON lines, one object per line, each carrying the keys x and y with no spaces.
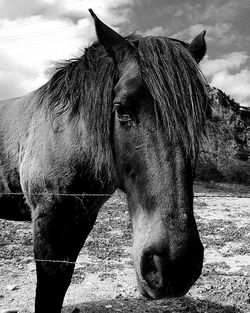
{"x":152,"y":270}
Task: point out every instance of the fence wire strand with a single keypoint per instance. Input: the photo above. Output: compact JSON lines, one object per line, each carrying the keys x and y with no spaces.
{"x":56,"y":194}
{"x":197,"y":195}
{"x":82,"y":195}
{"x":84,"y":263}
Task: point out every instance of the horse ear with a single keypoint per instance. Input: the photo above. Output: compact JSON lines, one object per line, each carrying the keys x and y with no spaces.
{"x":198,"y":47}
{"x":114,"y":44}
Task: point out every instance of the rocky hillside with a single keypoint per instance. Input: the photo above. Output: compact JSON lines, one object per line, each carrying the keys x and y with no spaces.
{"x":226,"y":151}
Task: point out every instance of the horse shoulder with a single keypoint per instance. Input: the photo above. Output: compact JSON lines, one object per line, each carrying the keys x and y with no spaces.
{"x":51,"y":157}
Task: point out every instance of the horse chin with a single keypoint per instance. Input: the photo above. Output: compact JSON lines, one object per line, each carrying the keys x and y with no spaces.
{"x":161,"y":293}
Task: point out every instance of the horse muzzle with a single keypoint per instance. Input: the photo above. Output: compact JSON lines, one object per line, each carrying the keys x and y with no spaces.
{"x":165,"y":275}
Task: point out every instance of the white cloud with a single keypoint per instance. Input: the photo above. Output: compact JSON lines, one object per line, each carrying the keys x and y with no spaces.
{"x":228,"y":62}
{"x":33,"y":47}
{"x":15,"y":78}
{"x":230,"y":74}
{"x":236,"y":85}
{"x":34,"y":34}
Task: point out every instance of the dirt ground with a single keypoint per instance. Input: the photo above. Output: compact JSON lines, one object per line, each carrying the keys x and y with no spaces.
{"x":104,"y":278}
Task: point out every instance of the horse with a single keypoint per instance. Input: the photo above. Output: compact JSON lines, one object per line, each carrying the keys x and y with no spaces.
{"x":129,"y":113}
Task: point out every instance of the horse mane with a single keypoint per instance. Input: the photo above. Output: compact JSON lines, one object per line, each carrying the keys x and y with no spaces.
{"x":84,"y":86}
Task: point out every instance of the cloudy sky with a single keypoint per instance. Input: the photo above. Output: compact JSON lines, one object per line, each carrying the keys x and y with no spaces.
{"x":34,"y":34}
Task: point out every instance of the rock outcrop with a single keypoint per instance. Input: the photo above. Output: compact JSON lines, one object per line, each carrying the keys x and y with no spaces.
{"x":236,"y":119}
{"x":226,"y":151}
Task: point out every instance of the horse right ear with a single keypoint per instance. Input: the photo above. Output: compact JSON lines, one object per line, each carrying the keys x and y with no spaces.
{"x":198,"y":47}
{"x":114,"y":44}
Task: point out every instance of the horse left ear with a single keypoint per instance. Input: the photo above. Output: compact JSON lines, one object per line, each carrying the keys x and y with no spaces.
{"x":114,"y":44}
{"x":198,"y":47}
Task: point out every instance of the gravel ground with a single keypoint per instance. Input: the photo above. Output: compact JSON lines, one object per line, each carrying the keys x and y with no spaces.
{"x":104,"y":278}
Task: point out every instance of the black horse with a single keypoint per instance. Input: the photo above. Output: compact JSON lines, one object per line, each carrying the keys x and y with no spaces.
{"x":128,"y":114}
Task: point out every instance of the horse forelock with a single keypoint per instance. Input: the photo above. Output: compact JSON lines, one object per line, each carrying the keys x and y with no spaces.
{"x":84,"y":86}
{"x":178,"y":88}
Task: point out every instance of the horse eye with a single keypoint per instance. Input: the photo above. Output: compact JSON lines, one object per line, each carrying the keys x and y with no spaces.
{"x":122,"y":113}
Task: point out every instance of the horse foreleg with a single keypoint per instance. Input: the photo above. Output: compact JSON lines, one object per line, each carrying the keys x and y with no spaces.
{"x":59,"y":234}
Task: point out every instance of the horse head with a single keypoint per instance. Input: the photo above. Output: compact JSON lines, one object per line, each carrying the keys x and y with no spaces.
{"x":159,"y":106}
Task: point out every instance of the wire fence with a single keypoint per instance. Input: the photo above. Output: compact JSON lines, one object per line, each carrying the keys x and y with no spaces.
{"x":222,"y":196}
{"x":214,"y":273}
{"x":82,"y":195}
{"x":197,"y":195}
{"x":56,"y":194}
